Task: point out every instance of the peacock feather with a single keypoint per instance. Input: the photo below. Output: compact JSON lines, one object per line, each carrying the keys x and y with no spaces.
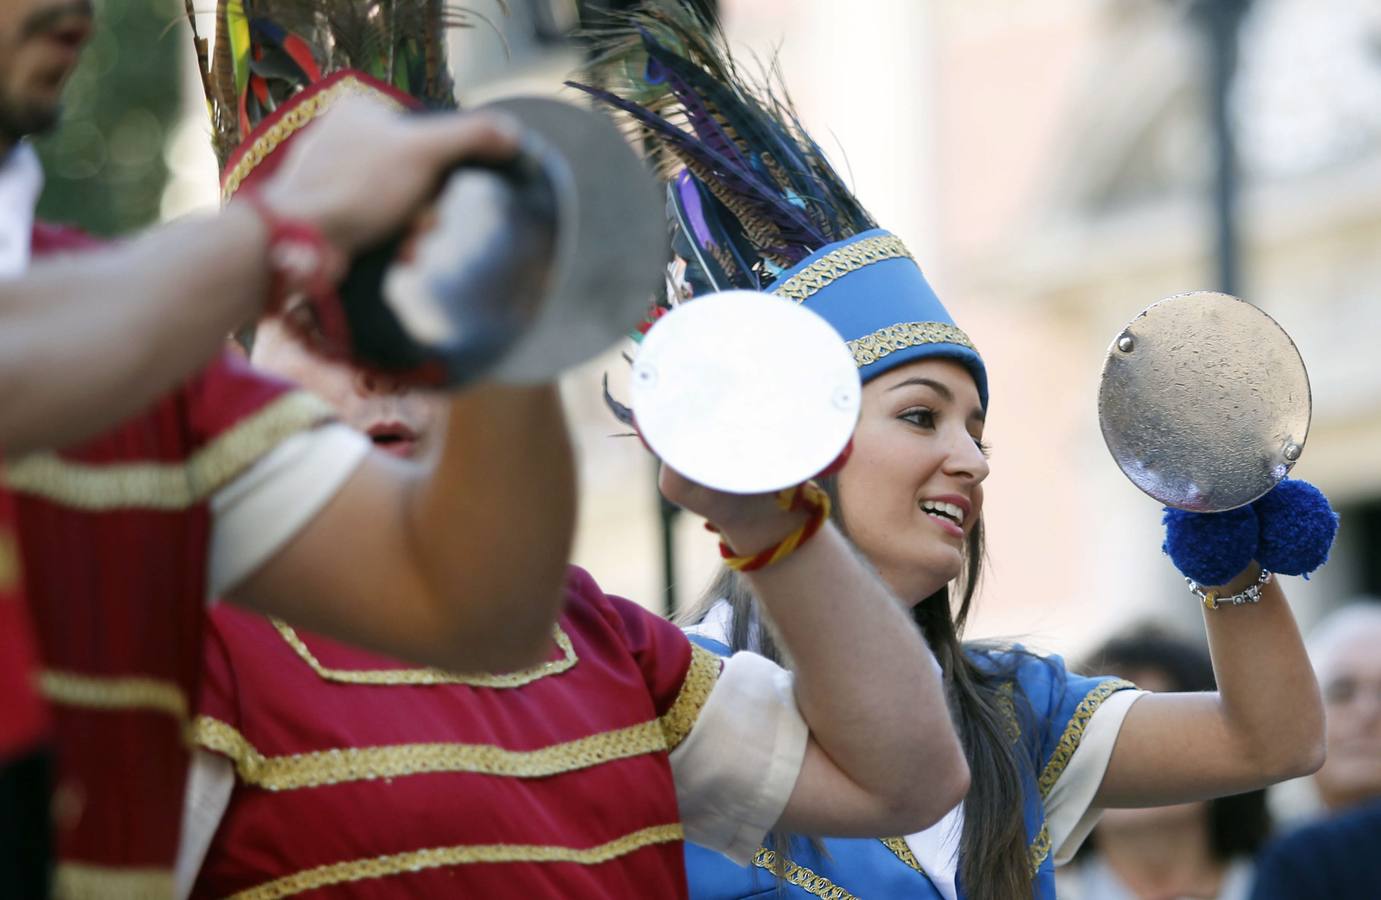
{"x":750,"y":193}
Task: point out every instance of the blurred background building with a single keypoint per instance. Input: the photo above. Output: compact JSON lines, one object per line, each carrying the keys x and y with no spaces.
{"x":1050,"y":165}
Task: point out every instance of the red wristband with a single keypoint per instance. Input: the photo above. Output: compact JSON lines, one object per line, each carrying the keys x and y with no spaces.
{"x":300,"y":259}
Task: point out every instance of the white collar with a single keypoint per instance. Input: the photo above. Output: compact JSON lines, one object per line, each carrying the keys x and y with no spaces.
{"x":21,"y":182}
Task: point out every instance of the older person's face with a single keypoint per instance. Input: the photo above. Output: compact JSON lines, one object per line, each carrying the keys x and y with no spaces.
{"x":40,"y":43}
{"x":1350,"y":677}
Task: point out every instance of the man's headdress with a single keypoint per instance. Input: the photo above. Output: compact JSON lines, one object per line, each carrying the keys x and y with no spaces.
{"x":754,"y":203}
{"x":278,"y":64}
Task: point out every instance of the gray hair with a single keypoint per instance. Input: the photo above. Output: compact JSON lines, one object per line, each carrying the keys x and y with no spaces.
{"x":1357,"y":614}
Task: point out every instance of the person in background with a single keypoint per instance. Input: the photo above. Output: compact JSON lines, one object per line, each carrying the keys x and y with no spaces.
{"x":1202,"y":849}
{"x":1339,"y":857}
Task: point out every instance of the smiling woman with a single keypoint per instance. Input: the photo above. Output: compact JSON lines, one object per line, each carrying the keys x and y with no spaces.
{"x":921,"y":427}
{"x":756,"y":206}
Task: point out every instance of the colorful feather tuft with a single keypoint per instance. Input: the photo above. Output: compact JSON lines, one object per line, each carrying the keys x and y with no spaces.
{"x":268,"y":50}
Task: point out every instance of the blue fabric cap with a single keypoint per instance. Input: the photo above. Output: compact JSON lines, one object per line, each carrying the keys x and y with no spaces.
{"x":871,"y":290}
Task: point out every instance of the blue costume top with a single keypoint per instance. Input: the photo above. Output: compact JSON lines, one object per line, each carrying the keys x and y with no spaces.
{"x":1047,"y":715}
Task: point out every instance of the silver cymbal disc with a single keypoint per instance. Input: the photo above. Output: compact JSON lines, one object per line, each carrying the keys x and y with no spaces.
{"x":744,"y":392}
{"x":611,"y":234}
{"x":1204,"y":402}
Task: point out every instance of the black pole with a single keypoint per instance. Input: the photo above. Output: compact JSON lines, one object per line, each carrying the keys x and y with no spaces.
{"x":1221,"y":21}
{"x":668,"y":514}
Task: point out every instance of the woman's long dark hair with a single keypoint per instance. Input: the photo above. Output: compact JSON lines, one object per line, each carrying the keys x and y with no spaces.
{"x":994,"y":862}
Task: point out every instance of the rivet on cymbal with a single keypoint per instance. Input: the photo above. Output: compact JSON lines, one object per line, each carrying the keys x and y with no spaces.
{"x":1125,"y":343}
{"x":1292,"y":451}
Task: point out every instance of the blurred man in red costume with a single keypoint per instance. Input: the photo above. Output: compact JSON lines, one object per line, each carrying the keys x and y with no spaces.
{"x":323,"y":767}
{"x":190,"y":483}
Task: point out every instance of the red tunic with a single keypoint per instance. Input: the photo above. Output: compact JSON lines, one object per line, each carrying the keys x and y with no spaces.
{"x":23,"y":719}
{"x":115,"y":539}
{"x":359,"y":776}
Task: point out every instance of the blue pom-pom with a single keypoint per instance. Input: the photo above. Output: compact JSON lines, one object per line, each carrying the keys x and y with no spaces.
{"x":1297,"y":528}
{"x":1211,"y":548}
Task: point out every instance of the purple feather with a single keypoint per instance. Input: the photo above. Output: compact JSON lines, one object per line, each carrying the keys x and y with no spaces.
{"x":695,"y":210}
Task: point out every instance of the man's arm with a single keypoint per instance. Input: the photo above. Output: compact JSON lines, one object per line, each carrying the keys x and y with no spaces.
{"x":458,"y":563}
{"x":87,"y":341}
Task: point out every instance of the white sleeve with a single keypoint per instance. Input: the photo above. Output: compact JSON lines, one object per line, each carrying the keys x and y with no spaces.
{"x":210,"y":782}
{"x":255,"y":515}
{"x":737,"y":768}
{"x":1069,"y":813}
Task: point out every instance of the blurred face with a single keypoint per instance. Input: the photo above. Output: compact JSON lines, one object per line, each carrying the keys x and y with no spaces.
{"x":40,"y":41}
{"x":912,"y":488}
{"x":1351,"y":682}
{"x":398,"y":420}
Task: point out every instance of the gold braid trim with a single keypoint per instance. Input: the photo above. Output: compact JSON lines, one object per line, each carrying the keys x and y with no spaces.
{"x":9,"y":562}
{"x":837,"y":263}
{"x":133,"y":693}
{"x":902,"y":851}
{"x":80,"y":881}
{"x":695,"y":689}
{"x":430,"y":676}
{"x":872,"y":347}
{"x":1007,"y":704}
{"x":293,"y":121}
{"x":800,"y":876}
{"x":1074,"y":731}
{"x":334,"y":766}
{"x":339,"y":765}
{"x":1040,"y":849}
{"x":437,"y":857}
{"x":166,"y":486}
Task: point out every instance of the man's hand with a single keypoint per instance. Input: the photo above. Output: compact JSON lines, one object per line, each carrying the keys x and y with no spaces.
{"x":363,"y":170}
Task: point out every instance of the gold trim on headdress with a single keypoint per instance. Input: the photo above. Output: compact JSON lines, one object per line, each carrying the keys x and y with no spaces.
{"x":293,"y":121}
{"x":872,"y":347}
{"x":837,"y":263}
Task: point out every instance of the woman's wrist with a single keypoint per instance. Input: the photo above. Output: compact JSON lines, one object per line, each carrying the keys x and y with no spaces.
{"x":1244,"y":579}
{"x":766,"y":525}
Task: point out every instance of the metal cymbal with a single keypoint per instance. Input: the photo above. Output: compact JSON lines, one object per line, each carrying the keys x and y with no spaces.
{"x":745,"y":392}
{"x":520,"y":270}
{"x":1204,"y":402}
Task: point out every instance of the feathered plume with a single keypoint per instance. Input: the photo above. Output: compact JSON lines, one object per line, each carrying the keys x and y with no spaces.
{"x":268,"y":50}
{"x":751,"y":194}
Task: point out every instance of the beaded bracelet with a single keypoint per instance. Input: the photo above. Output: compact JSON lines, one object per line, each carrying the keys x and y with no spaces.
{"x":1212,"y":599}
{"x":808,"y":496}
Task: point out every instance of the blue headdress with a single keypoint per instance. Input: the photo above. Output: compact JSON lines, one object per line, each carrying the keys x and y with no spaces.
{"x":753,"y":202}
